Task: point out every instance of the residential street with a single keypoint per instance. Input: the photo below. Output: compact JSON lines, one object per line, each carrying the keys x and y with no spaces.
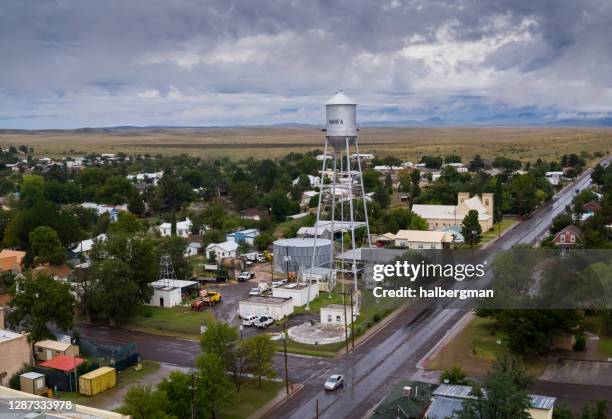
{"x":380,"y":362}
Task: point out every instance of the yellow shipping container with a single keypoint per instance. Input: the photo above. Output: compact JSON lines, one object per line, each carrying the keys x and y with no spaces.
{"x":97,"y":381}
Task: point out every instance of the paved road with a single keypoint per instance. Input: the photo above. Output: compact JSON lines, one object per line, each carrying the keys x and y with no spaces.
{"x":379,"y":363}
{"x":375,"y":367}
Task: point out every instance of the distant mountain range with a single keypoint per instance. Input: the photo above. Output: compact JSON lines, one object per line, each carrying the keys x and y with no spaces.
{"x":523,"y":119}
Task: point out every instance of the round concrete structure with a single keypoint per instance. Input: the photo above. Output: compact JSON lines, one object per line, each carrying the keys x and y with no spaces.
{"x":317,"y":334}
{"x":295,"y":255}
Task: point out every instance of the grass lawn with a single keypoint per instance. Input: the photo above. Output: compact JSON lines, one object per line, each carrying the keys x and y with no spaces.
{"x":249,"y":399}
{"x":490,"y":235}
{"x":475,"y":349}
{"x":594,"y":324}
{"x":129,"y":376}
{"x":177,"y":321}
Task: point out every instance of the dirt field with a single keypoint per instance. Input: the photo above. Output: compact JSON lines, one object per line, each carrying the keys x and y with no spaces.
{"x":526,"y":143}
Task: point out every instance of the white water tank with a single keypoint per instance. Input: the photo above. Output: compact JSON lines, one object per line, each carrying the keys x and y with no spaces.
{"x":341,"y":118}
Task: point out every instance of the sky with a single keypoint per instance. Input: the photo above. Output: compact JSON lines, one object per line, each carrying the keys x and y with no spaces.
{"x":89,"y":63}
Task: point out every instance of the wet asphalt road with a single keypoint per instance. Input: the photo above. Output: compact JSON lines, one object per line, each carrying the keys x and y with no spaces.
{"x":381,"y":361}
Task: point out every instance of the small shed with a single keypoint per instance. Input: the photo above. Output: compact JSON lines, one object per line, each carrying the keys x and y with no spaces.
{"x":97,"y":381}
{"x":301,"y":294}
{"x":275,"y":307}
{"x":334,"y":314}
{"x":169,"y":292}
{"x":33,"y":383}
{"x":47,"y":349}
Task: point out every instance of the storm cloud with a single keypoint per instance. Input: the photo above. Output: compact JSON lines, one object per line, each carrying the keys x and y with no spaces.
{"x":78,"y":63}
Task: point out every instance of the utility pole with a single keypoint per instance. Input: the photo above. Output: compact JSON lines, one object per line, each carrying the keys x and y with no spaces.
{"x":286,"y":367}
{"x":352,"y":323}
{"x":317,"y":416}
{"x":193,"y":410}
{"x":345,"y":323}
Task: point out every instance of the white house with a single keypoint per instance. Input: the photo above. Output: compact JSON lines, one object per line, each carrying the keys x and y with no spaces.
{"x":85,"y":246}
{"x":362,"y":156}
{"x":192,"y":249}
{"x":183,"y":228}
{"x":418,"y":239}
{"x":315,"y":181}
{"x":222,"y":250}
{"x":554,"y":177}
{"x":111,"y":210}
{"x":275,"y":307}
{"x":301,"y":294}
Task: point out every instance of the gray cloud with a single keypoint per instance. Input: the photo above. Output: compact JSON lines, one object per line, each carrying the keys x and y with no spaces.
{"x":70,"y":63}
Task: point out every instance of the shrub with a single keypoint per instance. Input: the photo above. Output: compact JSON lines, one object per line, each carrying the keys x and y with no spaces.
{"x":580,"y":344}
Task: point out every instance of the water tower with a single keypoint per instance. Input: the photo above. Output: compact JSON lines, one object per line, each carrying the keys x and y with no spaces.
{"x":342,"y":206}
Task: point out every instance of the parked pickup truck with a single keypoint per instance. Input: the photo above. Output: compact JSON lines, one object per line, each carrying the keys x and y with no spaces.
{"x":245,"y":276}
{"x":264,"y":321}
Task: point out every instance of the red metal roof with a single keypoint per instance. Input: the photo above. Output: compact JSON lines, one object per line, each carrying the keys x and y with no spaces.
{"x":63,"y":363}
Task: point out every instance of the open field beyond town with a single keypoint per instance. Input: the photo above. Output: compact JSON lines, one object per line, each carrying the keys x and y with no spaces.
{"x":524,"y":143}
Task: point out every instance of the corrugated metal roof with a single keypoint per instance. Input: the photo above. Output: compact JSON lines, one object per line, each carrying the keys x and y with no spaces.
{"x":443,"y":407}
{"x":542,"y":402}
{"x":454,"y":391}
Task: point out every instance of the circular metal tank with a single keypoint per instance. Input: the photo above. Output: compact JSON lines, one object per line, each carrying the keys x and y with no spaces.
{"x":293,"y":255}
{"x":341,"y":120}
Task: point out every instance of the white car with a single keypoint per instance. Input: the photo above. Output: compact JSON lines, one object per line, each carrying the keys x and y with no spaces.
{"x":261,"y":259}
{"x":264,"y":321}
{"x":255,"y":291}
{"x":278,"y":283}
{"x":334,"y":382}
{"x":250,"y":320}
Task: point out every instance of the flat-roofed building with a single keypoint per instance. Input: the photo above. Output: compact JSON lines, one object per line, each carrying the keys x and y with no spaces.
{"x":419,"y":239}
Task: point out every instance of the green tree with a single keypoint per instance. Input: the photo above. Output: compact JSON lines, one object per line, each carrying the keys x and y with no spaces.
{"x":127,"y":223}
{"x":32,"y":190}
{"x":260,"y":350}
{"x":46,"y":246}
{"x":115,"y":190}
{"x":498,"y":200}
{"x":113,"y":294}
{"x":213,"y":382}
{"x":40,"y":302}
{"x":454,"y":376}
{"x":470,"y":228}
{"x":264,"y":240}
{"x":280,"y":205}
{"x":382,"y":197}
{"x":537,"y":328}
{"x":141,"y":402}
{"x":220,"y":339}
{"x":503,"y":394}
{"x":178,"y":389}
{"x":136,"y":205}
{"x":173,"y":194}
